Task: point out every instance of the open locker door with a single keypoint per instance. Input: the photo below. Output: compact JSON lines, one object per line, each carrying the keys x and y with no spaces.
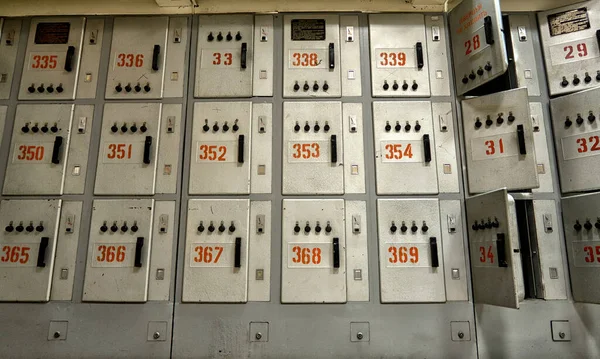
{"x":478,"y":46}
{"x":581,"y":220}
{"x":494,"y":249}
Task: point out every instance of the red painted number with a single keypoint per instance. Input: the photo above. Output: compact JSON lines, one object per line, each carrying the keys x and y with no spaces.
{"x":472,"y":45}
{"x":15,"y":254}
{"x":593,"y":141}
{"x":486,"y":256}
{"x":130,"y":60}
{"x":31,"y":153}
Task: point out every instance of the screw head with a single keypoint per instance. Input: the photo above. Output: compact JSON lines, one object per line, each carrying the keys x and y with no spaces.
{"x":359,"y":335}
{"x":561,"y":335}
{"x":156,"y":335}
{"x":57,"y":334}
{"x":461,"y":335}
{"x":258,"y":335}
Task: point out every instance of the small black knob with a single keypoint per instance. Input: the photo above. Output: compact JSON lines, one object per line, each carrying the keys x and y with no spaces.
{"x":232,"y":228}
{"x":35,"y":128}
{"x":50,"y":89}
{"x":297,"y":228}
{"x":489,"y":122}
{"x":44,"y":128}
{"x":20,"y":228}
{"x":39,"y":228}
{"x":133,"y":128}
{"x":31,"y":89}
{"x":25,"y":128}
{"x":216,"y":127}
{"x":114,"y":228}
{"x":296,"y":87}
{"x":472,"y":75}
{"x":306,"y":87}
{"x":395,"y":86}
{"x":9,"y":228}
{"x":587,"y":225}
{"x":29,"y":228}
{"x":488,"y":67}
{"x":388,"y":127}
{"x":222,"y":228}
{"x":576,"y":80}
{"x":475,"y":227}
{"x":201,"y":227}
{"x":414,"y":228}
{"x":143,"y":128}
{"x":147,"y":88}
{"x":59,"y":88}
{"x":325,"y":86}
{"x":577,"y":226}
{"x":488,"y":224}
{"x":465,"y":80}
{"x":393,"y":228}
{"x":137,"y":88}
{"x":210,"y":37}
{"x":478,"y":123}
{"x":124,"y":227}
{"x":211,"y":228}
{"x":219,"y":37}
{"x":597,"y":224}
{"x":424,"y":228}
{"x":235,"y":126}
{"x":404,"y":86}
{"x":306,"y":127}
{"x":328,"y":228}
{"x":229,"y":37}
{"x":238,"y":36}
{"x":128,"y":88}
{"x":326,"y":127}
{"x":297,"y":127}
{"x":481,"y":225}
{"x":41,"y":88}
{"x":225,"y":127}
{"x":124,"y":128}
{"x":307,"y":228}
{"x":114,"y":128}
{"x":403,"y":227}
{"x":317,"y":127}
{"x":103,"y":228}
{"x":318,"y":228}
{"x":134,"y":228}
{"x":579,"y":119}
{"x":119,"y":88}
{"x":54,"y":128}
{"x":587,"y":78}
{"x":205,"y":128}
{"x":407,"y":127}
{"x":385,"y":86}
{"x":480,"y":71}
{"x":397,"y":128}
{"x":415,"y":86}
{"x":500,"y":120}
{"x":418,"y":127}
{"x":564,"y":82}
{"x":511,"y":118}
{"x":316,"y":87}
{"x":591,"y":117}
{"x":568,"y":122}
{"x":495,"y":223}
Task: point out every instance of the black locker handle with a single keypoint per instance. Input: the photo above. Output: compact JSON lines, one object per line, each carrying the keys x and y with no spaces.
{"x":427,"y":148}
{"x":521,"y":135}
{"x":435,"y":261}
{"x":58,"y":141}
{"x":489,"y":32}
{"x":241,"y":148}
{"x":420,"y":63}
{"x":333,"y":141}
{"x":598,"y":36}
{"x":69,"y":59}
{"x":155,"y":56}
{"x":501,"y":250}
{"x":238,"y":253}
{"x":147,"y":148}
{"x":336,"y":253}
{"x":331,"y":56}
{"x":244,"y":55}
{"x":139,"y":245}
{"x":41,"y":259}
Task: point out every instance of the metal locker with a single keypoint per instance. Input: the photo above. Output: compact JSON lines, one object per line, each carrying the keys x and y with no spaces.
{"x":405,"y":158}
{"x":522,"y":37}
{"x":311,"y":56}
{"x":129,"y":144}
{"x":581,"y":219}
{"x":51,"y":65}
{"x":571,"y":44}
{"x":499,"y":142}
{"x":10,"y":31}
{"x":542,"y":152}
{"x":313,"y":156}
{"x":119,"y":248}
{"x":399,"y":57}
{"x":494,"y":249}
{"x":47,"y":143}
{"x":225,"y":57}
{"x":138,"y":57}
{"x":411,"y":263}
{"x":216,"y":251}
{"x":221,"y":141}
{"x":28,"y":245}
{"x":478,"y":47}
{"x":577,"y":140}
{"x":313,"y":256}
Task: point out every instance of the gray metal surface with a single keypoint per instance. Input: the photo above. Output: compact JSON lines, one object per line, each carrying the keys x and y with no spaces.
{"x":10,"y":31}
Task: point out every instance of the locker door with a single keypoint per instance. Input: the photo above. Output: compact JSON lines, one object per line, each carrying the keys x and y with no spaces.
{"x":577,"y":137}
{"x":313,"y":146}
{"x":499,"y":142}
{"x":225,"y":56}
{"x":313,"y":257}
{"x":128,"y":149}
{"x":571,"y":44}
{"x":411,"y":263}
{"x":478,"y":47}
{"x":137,"y":58}
{"x":52,"y":59}
{"x":119,"y":250}
{"x":39,"y":149}
{"x":405,"y":159}
{"x":494,"y":249}
{"x":28,"y":243}
{"x":311,"y":56}
{"x":10,"y":30}
{"x":221,"y":143}
{"x":216,"y":251}
{"x":581,"y":220}
{"x":399,"y":63}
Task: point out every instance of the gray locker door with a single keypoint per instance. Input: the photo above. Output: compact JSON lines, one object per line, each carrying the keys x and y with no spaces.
{"x":577,"y":137}
{"x":494,"y":249}
{"x":581,"y":220}
{"x":478,"y":46}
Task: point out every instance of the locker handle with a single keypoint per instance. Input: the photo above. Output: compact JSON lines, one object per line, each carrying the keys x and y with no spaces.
{"x":244,"y":55}
{"x":147,"y":147}
{"x":58,"y":141}
{"x":238,"y":253}
{"x":489,"y":32}
{"x":41,"y":259}
{"x":155,"y":56}
{"x":435,"y":261}
{"x":521,"y":135}
{"x":420,"y":63}
{"x":501,"y":250}
{"x":139,"y":245}
{"x":333,"y":141}
{"x":241,"y":148}
{"x":69,"y":59}
{"x":427,"y":148}
{"x":331,"y":56}
{"x":598,"y":36}
{"x":336,"y":253}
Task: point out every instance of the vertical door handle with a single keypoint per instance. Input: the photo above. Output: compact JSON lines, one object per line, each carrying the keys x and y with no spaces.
{"x":41,"y":259}
{"x":427,"y":148}
{"x":238,"y":253}
{"x":501,"y":250}
{"x":241,"y":148}
{"x":435,"y":261}
{"x":598,"y":37}
{"x":155,"y":57}
{"x":147,"y":148}
{"x":521,"y":136}
{"x":58,"y":141}
{"x":333,"y":141}
{"x":244,"y":55}
{"x":336,"y":253}
{"x":139,"y":245}
{"x":69,"y":59}
{"x":331,"y":56}
{"x":420,"y":63}
{"x":489,"y":32}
